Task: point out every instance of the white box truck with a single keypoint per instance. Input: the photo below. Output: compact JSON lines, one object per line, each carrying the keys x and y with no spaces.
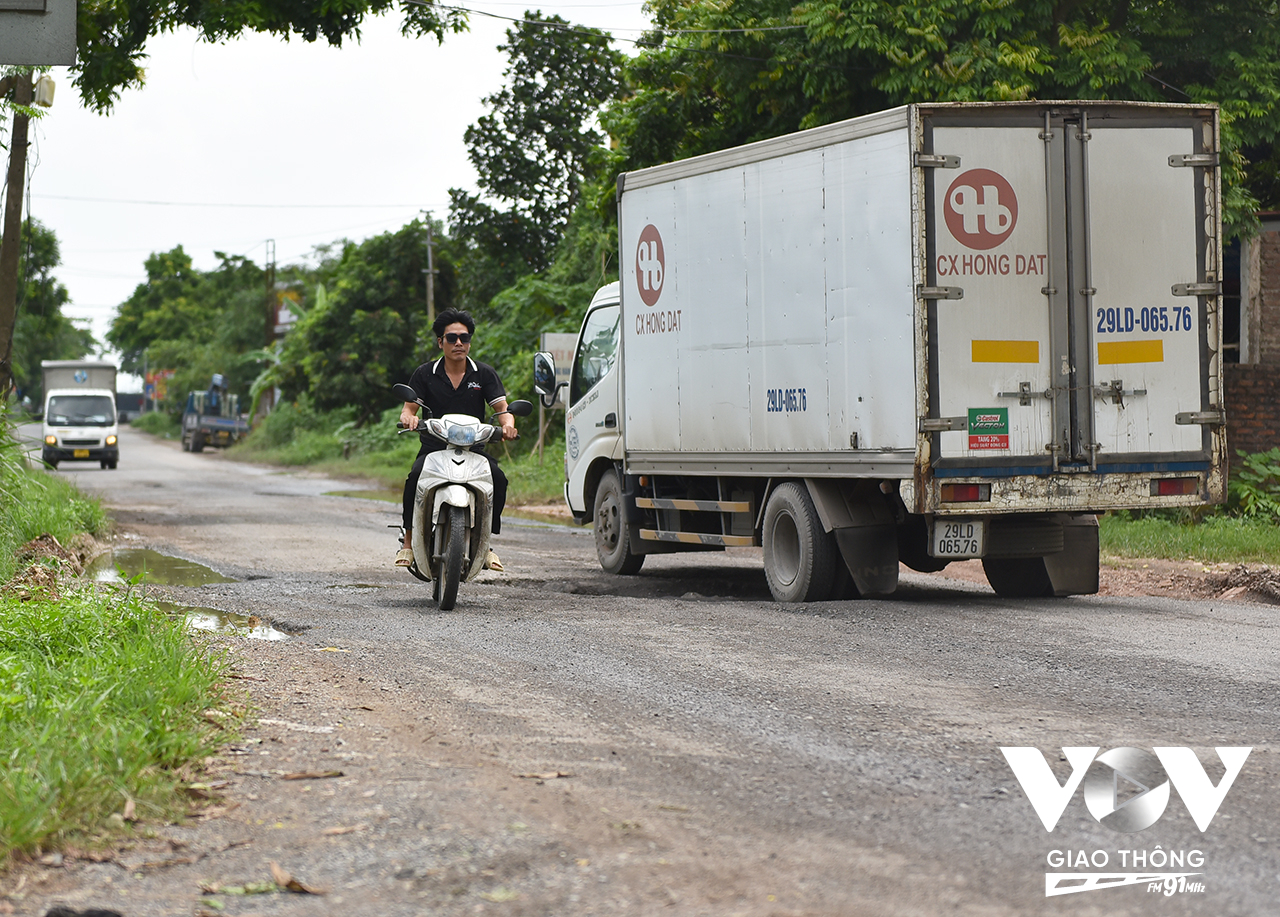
{"x":80,"y":423}
{"x":939,"y":332}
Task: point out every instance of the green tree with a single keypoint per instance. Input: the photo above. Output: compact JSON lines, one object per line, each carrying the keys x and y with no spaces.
{"x":532,"y":152}
{"x":42,"y":331}
{"x":168,"y":307}
{"x":819,"y":61}
{"x":370,"y":330}
{"x":111,"y":35}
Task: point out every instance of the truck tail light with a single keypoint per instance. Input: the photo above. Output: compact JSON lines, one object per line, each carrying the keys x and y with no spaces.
{"x":966,"y":493}
{"x":1174,"y":487}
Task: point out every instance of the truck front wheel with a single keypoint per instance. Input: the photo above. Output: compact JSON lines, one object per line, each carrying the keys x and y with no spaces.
{"x":197,"y":441}
{"x":799,"y":556}
{"x":613,"y":538}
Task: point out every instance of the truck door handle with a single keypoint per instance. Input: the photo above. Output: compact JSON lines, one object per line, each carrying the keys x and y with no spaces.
{"x":610,"y":421}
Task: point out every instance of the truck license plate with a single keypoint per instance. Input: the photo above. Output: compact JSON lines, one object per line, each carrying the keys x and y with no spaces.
{"x":80,"y":453}
{"x":957,"y":538}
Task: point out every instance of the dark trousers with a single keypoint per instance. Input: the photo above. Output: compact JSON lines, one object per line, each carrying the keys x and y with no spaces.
{"x":499,"y":488}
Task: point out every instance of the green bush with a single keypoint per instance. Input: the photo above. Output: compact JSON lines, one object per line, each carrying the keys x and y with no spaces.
{"x":158,"y":423}
{"x":101,"y":701}
{"x":1254,"y":489}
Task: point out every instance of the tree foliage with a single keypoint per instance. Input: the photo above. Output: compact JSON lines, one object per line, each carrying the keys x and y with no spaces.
{"x":531,"y":152}
{"x":370,"y":331}
{"x":111,"y":35}
{"x":802,"y":65}
{"x":42,"y":331}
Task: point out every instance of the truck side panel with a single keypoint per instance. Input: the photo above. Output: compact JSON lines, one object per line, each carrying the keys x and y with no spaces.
{"x":768,"y":306}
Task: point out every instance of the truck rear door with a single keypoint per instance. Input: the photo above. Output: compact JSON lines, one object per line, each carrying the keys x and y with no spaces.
{"x":1071,"y":279}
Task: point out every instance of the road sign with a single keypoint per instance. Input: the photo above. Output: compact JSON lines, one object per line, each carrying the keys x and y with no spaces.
{"x":37,"y":32}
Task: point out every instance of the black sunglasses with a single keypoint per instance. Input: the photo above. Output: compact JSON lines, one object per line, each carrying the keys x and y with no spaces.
{"x":453,"y":337}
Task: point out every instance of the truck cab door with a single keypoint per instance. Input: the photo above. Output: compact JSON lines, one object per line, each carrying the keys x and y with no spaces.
{"x":591,"y":419}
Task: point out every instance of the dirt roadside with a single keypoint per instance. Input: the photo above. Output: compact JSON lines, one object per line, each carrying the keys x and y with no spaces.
{"x":388,"y":800}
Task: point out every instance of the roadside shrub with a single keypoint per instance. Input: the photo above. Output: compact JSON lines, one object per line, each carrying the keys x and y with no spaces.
{"x":158,"y":423}
{"x":1254,"y":489}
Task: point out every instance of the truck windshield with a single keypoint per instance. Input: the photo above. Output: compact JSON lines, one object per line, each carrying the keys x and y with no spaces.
{"x":81,"y":410}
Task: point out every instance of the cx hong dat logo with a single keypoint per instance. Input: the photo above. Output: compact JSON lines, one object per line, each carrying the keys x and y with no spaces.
{"x":651,"y":276}
{"x":1128,"y":790}
{"x":980,"y":210}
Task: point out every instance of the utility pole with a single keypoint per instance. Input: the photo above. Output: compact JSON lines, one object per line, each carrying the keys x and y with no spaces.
{"x":269,"y":268}
{"x":11,"y":245}
{"x":430,"y":272}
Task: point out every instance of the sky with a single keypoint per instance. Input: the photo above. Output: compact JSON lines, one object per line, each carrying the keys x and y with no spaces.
{"x":229,"y":146}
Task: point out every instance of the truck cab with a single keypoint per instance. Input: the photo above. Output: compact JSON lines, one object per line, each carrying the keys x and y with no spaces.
{"x":80,"y":425}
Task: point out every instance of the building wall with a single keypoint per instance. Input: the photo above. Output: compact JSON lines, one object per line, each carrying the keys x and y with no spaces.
{"x":1253,"y":386}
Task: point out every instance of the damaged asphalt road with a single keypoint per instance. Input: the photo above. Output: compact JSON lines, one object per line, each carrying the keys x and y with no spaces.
{"x":567,"y":742}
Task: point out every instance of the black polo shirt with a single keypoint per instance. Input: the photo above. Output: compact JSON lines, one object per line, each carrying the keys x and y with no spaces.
{"x":480,"y":387}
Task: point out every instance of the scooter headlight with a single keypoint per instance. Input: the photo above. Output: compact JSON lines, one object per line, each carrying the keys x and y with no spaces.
{"x":461,"y":435}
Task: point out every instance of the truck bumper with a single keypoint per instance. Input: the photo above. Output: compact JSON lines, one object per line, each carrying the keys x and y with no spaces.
{"x":104,"y":454}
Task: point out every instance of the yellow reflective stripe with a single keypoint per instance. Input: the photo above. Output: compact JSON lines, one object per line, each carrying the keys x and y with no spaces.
{"x":1006,"y":351}
{"x":1131,"y":351}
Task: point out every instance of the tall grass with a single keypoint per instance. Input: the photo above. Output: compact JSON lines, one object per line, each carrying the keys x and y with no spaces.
{"x":101,"y":697}
{"x":32,"y":503}
{"x":101,"y":694}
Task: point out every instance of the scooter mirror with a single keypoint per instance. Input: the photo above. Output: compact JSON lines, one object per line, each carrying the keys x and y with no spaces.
{"x":404,"y":393}
{"x":544,"y":374}
{"x":521,"y":408}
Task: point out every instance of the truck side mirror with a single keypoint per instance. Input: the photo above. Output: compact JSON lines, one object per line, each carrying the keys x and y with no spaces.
{"x":544,"y":378}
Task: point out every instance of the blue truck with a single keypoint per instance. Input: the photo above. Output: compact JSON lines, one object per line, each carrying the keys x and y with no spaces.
{"x":212,"y":418}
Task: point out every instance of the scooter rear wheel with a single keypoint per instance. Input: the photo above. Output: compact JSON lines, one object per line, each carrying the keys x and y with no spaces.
{"x":455,"y":553}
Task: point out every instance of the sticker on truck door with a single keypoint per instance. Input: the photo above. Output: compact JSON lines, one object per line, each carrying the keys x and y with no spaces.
{"x":988,"y":428}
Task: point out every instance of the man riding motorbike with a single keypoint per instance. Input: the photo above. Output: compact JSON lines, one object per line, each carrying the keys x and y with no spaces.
{"x":455,"y":384}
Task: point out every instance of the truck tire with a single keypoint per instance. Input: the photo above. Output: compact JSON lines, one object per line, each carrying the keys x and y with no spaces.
{"x":1018,"y":577}
{"x":799,"y":557}
{"x":186,"y":443}
{"x":197,"y":441}
{"x":613,"y":538}
{"x":455,"y":552}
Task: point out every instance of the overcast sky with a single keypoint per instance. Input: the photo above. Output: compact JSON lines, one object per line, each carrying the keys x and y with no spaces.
{"x":230,"y":145}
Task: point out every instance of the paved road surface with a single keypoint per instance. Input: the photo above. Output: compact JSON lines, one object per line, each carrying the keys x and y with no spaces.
{"x":728,"y":754}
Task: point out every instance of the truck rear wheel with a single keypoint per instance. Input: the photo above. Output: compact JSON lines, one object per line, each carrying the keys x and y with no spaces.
{"x":1018,"y":577}
{"x":613,"y":538}
{"x":799,"y":557}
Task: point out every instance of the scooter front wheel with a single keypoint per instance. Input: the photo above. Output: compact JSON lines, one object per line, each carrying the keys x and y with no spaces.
{"x":455,"y":554}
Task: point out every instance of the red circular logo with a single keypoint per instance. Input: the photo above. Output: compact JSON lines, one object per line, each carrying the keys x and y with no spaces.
{"x":651,"y":265}
{"x":981,"y":209}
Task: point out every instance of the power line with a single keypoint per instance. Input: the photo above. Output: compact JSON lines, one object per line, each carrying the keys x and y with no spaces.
{"x":122,"y":200}
{"x":569,"y":28}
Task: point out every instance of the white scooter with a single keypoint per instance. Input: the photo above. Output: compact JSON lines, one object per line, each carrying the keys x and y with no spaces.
{"x":453,"y":505}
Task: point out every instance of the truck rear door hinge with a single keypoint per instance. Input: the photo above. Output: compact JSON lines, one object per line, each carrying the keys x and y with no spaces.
{"x":940,"y":292}
{"x":936,"y":161}
{"x":1211,"y":288}
{"x":943,"y":424}
{"x":1210,"y":418}
{"x":1188,"y":160}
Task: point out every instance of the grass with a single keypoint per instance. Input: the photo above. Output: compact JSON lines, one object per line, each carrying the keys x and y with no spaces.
{"x":101,"y":702}
{"x":102,"y":695}
{"x":158,"y":423}
{"x":1214,"y":539}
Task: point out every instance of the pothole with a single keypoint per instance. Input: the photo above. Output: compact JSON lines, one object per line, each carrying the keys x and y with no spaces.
{"x":126,"y":564}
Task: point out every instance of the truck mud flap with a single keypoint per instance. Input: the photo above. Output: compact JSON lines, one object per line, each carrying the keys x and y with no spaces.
{"x":871,"y":554}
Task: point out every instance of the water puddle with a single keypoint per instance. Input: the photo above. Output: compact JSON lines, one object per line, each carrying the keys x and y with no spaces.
{"x":158,"y":569}
{"x":224,"y":622}
{"x":154,"y":568}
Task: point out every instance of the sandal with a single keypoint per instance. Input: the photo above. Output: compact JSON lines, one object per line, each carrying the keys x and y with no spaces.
{"x":404,"y":557}
{"x":491,"y":562}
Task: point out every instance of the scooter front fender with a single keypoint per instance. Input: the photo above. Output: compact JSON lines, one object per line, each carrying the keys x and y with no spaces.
{"x":454,"y":495}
